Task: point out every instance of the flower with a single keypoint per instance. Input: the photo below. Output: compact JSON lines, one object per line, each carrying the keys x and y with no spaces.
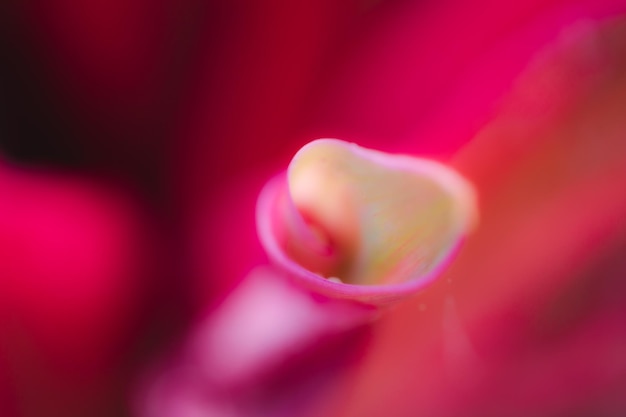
{"x":192,"y":106}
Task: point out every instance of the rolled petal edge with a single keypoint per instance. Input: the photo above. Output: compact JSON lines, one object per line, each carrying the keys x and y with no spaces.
{"x":360,"y":224}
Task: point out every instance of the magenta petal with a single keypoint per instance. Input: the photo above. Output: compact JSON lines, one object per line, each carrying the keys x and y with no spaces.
{"x":267,"y":339}
{"x":73,"y":254}
{"x":263,"y":321}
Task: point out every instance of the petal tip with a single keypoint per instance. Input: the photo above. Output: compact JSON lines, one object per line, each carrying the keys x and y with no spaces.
{"x":363,"y":224}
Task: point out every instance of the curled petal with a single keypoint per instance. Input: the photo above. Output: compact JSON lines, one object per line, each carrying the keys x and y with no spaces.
{"x":356,"y":223}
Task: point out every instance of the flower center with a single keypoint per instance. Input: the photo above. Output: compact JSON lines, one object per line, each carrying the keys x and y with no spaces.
{"x":367,"y":217}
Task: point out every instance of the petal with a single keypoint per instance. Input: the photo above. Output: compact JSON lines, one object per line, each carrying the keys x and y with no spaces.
{"x":384,"y":225}
{"x":538,"y":288}
{"x":72,"y":255}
